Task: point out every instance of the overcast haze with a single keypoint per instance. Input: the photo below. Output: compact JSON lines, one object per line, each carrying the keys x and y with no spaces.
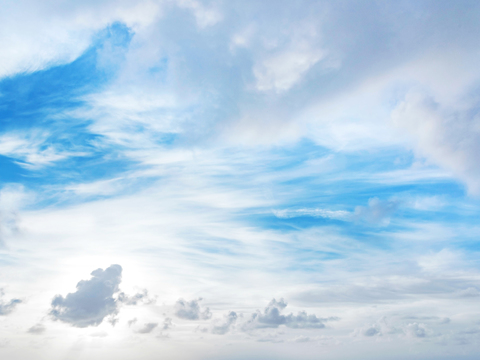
{"x":231,"y":180}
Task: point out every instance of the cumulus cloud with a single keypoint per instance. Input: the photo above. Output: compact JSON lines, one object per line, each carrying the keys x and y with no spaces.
{"x":272,"y":317}
{"x":92,"y":301}
{"x":447,"y":136}
{"x":191,"y":310}
{"x":221,"y":328}
{"x":7,"y":307}
{"x":395,"y":327}
{"x":377,"y":211}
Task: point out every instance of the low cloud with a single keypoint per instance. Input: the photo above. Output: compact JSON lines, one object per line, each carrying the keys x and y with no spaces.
{"x":93,"y":300}
{"x":7,"y":307}
{"x":272,"y":317}
{"x":385,"y":327}
{"x":191,"y":310}
{"x":223,"y":327}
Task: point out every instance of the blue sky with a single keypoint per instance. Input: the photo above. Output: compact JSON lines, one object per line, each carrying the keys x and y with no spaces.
{"x":239,"y":179}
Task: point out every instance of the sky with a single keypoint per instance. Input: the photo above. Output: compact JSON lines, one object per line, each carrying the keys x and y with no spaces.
{"x":231,"y":180}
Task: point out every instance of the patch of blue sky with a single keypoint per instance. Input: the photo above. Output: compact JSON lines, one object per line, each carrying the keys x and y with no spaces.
{"x":36,"y":106}
{"x":36,"y":99}
{"x":271,"y":221}
{"x":11,"y":171}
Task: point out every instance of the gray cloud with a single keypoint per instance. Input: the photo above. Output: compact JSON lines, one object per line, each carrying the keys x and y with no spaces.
{"x":371,"y":331}
{"x":167,"y":323}
{"x":7,"y":307}
{"x":147,"y":328}
{"x":92,"y":301}
{"x":224,"y":327}
{"x":37,"y":329}
{"x":191,"y":310}
{"x":273,"y":318}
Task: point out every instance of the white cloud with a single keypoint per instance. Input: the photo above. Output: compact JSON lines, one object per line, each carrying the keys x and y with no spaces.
{"x":272,"y":317}
{"x":205,"y":16}
{"x":279,"y":72}
{"x":449,"y":137}
{"x":32,"y":150}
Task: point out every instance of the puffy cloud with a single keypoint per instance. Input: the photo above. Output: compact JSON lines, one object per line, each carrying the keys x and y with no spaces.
{"x":416,"y":330}
{"x":397,"y":327}
{"x":446,"y":135}
{"x":7,"y":307}
{"x":224,"y":327}
{"x":272,"y":318}
{"x":191,"y":310}
{"x":92,"y":301}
